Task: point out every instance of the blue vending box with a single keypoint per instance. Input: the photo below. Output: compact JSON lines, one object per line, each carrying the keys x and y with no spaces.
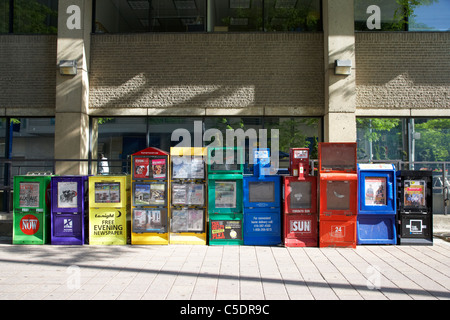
{"x":376,"y":220}
{"x":262,"y":203}
{"x":68,"y":206}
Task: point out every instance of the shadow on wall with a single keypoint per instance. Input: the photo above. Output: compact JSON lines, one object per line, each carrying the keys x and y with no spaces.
{"x":207,"y":70}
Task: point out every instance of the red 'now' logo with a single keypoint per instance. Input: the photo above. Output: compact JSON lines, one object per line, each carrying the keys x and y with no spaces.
{"x":29,"y":224}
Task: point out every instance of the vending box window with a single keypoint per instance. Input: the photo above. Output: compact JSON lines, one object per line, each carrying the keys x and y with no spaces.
{"x":300,"y":214}
{"x":225,"y":160}
{"x":109,"y":210}
{"x":338,"y":181}
{"x":225,"y":194}
{"x":377,"y":208}
{"x":262,"y":205}
{"x":415,"y":207}
{"x":68,"y":209}
{"x":150,"y":194}
{"x":188,"y":213}
{"x":31,"y":212}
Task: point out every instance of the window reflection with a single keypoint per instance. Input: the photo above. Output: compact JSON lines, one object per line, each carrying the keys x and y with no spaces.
{"x":29,"y":16}
{"x":422,"y":15}
{"x":119,"y":16}
{"x":120,"y":137}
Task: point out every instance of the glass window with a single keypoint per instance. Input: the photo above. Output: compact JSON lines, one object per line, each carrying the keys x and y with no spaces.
{"x":381,"y":139}
{"x":118,"y":138}
{"x":30,"y":16}
{"x":122,"y":136}
{"x":390,"y":14}
{"x":4,"y":16}
{"x":431,"y":16}
{"x":32,"y":138}
{"x":237,"y":15}
{"x":402,"y":15}
{"x":119,"y":16}
{"x":431,"y":139}
{"x":295,"y":133}
{"x":292,"y":15}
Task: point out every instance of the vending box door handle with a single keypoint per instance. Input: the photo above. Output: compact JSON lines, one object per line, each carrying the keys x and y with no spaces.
{"x":390,"y":191}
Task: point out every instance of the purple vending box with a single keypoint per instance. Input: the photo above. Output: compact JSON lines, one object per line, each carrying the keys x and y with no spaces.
{"x":67,"y":209}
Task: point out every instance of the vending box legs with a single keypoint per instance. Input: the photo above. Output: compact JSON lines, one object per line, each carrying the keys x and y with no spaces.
{"x":31,"y":214}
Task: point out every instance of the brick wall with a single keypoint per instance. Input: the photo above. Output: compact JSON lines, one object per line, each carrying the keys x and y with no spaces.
{"x":277,"y":73}
{"x":403,"y":70}
{"x":28,"y":74}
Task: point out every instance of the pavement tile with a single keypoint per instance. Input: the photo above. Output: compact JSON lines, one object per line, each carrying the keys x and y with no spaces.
{"x":224,"y":273}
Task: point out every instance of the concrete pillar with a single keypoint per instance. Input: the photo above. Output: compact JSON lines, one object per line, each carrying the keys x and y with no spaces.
{"x":340,"y":90}
{"x":72,"y":92}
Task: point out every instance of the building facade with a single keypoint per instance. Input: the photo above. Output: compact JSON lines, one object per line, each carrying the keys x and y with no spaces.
{"x":143,"y":71}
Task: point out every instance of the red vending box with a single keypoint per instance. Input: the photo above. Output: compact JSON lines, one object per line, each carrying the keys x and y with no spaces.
{"x":300,"y":216}
{"x":338,"y":185}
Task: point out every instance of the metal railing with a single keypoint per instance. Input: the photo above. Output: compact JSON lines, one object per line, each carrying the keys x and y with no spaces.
{"x":13,"y":167}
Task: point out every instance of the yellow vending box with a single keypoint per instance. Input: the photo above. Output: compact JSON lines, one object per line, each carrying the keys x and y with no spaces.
{"x":188,"y":214}
{"x":108,"y":209}
{"x":149,"y":197}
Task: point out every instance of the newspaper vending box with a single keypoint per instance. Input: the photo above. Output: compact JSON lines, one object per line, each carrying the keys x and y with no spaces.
{"x":31,"y":213}
{"x":377,"y":208}
{"x":68,"y":203}
{"x":338,"y":182}
{"x":225,"y":203}
{"x":300,"y":215}
{"x":108,"y":209}
{"x":262,"y":206}
{"x":150,"y":197}
{"x":415,"y":207}
{"x":188,"y":201}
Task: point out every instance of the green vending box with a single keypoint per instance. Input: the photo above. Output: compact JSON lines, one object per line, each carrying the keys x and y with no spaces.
{"x":31,"y":213}
{"x":225,"y":195}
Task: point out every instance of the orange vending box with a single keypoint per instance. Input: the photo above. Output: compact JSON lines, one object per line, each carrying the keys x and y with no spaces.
{"x":338,"y":189}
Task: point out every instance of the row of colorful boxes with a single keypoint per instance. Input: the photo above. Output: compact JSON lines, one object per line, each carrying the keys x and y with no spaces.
{"x":255,"y":217}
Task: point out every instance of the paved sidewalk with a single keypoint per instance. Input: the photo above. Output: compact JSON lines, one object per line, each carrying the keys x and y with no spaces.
{"x":186,"y":272}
